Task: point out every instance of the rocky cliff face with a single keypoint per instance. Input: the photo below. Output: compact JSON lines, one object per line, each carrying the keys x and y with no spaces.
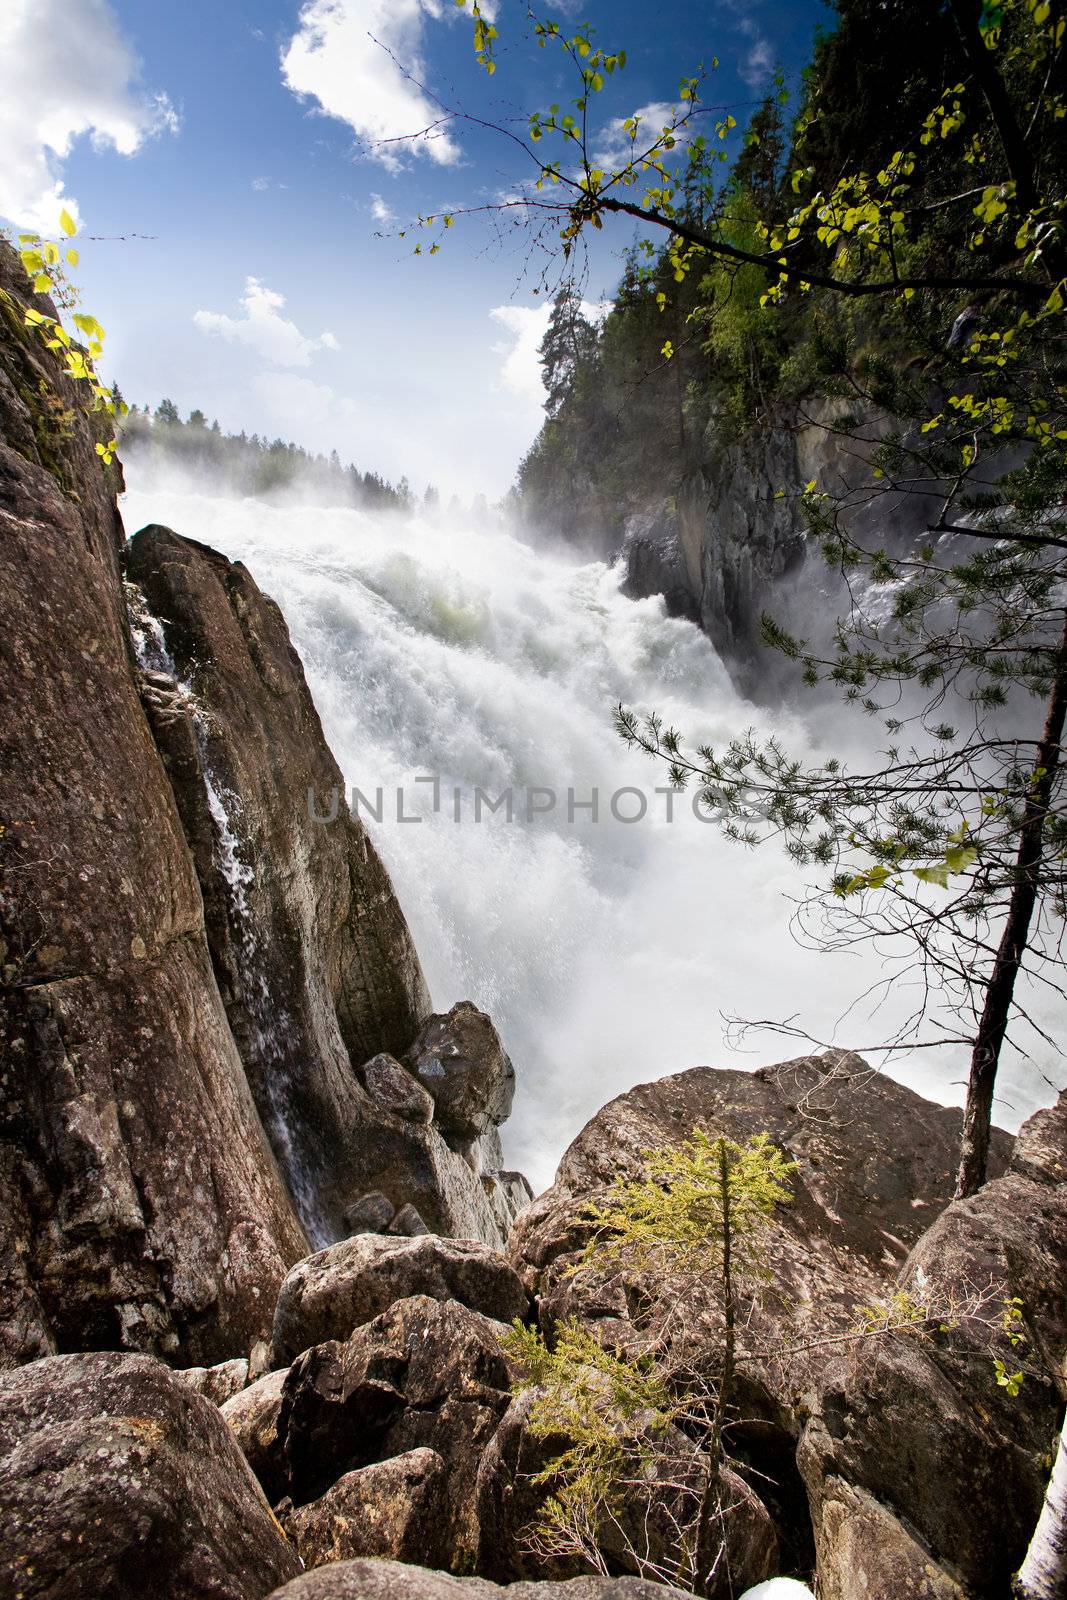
{"x":193,"y":969}
{"x":141,"y":1205}
{"x":730,"y":542}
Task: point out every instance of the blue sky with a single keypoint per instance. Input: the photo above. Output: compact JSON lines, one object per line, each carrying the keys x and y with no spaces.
{"x":249,"y":141}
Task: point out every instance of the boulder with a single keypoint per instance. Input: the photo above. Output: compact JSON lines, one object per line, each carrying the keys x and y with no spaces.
{"x":387,"y":1082}
{"x":252,"y":1417}
{"x":427,"y":1374}
{"x":396,"y":1509}
{"x":216,"y":1384}
{"x":901,"y":1445}
{"x":140,"y":1205}
{"x":875,"y":1164}
{"x":408,"y":1223}
{"x":923,"y":1472}
{"x":371,"y":1213}
{"x":117,"y":1479}
{"x":459,"y":1060}
{"x":329,"y":1294}
{"x":390,"y":1580}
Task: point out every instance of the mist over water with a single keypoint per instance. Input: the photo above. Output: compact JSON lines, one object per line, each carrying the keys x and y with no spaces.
{"x":606,"y":952}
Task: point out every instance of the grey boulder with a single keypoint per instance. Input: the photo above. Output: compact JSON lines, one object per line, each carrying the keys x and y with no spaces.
{"x":118,"y":1480}
{"x":396,"y":1508}
{"x":386,"y":1081}
{"x":252,"y":1417}
{"x":390,"y":1580}
{"x":329,"y":1294}
{"x":459,"y":1060}
{"x":216,"y":1384}
{"x":427,"y":1374}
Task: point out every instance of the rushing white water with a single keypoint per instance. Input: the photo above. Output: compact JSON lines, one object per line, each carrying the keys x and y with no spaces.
{"x":606,"y":952}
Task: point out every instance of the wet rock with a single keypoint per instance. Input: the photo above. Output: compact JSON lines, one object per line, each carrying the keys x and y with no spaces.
{"x":397,"y":1509}
{"x":329,"y":1294}
{"x":387,"y":1082}
{"x":459,"y":1060}
{"x":117,"y":1479}
{"x":427,"y":1374}
{"x":216,"y":1384}
{"x":371,"y":1213}
{"x":252,"y":1417}
{"x":389,"y":1580}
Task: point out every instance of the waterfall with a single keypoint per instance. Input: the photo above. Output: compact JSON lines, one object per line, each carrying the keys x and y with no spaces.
{"x":608,"y":951}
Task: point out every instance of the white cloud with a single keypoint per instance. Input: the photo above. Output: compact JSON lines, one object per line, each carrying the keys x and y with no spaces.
{"x":68,"y":73}
{"x":381,"y":210}
{"x":520,"y":366}
{"x":758,"y":65}
{"x":615,"y":146}
{"x":263,"y":329}
{"x":334,"y":60}
{"x":520,"y":369}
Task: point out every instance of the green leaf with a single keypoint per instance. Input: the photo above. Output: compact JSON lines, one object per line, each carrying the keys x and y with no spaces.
{"x":67,"y":223}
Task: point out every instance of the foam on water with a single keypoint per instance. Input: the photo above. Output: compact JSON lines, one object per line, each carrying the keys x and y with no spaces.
{"x":607,"y":953}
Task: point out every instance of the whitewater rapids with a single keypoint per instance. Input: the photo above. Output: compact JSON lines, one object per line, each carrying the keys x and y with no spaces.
{"x":607,"y":952}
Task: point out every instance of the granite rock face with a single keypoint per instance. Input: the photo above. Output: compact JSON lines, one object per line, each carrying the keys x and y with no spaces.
{"x":731,"y":533}
{"x":315,"y":962}
{"x":140,"y":1203}
{"x":117,"y":1479}
{"x":425,"y":1375}
{"x":395,"y":1509}
{"x":341,"y":1288}
{"x":391,"y":1580}
{"x":194,"y":961}
{"x":319,"y":977}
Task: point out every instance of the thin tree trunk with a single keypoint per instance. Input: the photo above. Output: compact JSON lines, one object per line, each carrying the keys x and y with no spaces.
{"x":996,"y":1010}
{"x":1043,"y":1575}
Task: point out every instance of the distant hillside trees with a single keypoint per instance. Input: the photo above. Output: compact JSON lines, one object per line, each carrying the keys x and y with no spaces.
{"x":251,"y":465}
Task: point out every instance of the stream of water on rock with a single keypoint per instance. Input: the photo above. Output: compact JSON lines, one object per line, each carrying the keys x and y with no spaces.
{"x":607,"y":952}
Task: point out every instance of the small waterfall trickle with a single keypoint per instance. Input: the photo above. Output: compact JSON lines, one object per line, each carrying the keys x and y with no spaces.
{"x":269,"y":1027}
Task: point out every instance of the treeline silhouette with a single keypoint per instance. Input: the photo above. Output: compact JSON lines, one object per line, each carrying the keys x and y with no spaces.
{"x":253,"y":465}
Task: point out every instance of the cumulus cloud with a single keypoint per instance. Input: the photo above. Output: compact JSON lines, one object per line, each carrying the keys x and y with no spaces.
{"x":520,"y":368}
{"x":758,"y":64}
{"x":263,"y":328}
{"x":615,"y":147}
{"x":68,"y":74}
{"x":520,"y":358}
{"x":334,"y":60}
